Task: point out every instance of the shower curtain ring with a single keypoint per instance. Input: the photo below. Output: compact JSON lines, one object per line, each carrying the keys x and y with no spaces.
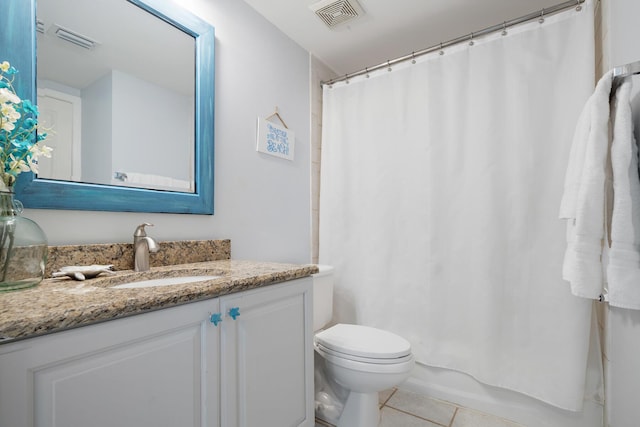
{"x":471,"y":43}
{"x":388,"y":66}
{"x":541,"y":20}
{"x":413,"y":57}
{"x":346,"y":78}
{"x":504,"y":28}
{"x":366,"y":71}
{"x":578,"y":6}
{"x":441,"y":50}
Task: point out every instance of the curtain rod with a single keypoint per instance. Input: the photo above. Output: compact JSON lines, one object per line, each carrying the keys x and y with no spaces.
{"x":468,"y":37}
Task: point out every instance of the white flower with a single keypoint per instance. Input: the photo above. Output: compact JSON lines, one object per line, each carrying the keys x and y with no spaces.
{"x":8,"y":113}
{"x":21,"y":144}
{"x":18,"y":164}
{"x":6,"y":125}
{"x":33,"y":164}
{"x":40,"y":149}
{"x":6,"y":96}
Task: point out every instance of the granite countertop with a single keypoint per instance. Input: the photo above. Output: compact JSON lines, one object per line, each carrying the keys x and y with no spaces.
{"x":62,"y":303}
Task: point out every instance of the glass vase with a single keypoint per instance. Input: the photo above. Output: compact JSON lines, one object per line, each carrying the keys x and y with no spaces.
{"x":23,"y":247}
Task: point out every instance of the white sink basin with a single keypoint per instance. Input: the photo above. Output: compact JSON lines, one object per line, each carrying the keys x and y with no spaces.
{"x":165,"y":281}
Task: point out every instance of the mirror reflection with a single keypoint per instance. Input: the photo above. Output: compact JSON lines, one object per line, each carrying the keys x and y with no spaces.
{"x":116,"y":89}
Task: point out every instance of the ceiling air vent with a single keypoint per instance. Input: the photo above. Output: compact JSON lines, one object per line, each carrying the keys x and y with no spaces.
{"x":40,"y":26}
{"x":334,"y":13}
{"x":75,"y":38}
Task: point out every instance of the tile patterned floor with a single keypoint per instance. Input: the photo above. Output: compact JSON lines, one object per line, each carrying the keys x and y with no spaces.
{"x":401,"y":408}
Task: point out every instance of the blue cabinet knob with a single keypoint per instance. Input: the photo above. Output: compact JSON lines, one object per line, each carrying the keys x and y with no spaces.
{"x":234,"y":312}
{"x":216,"y":318}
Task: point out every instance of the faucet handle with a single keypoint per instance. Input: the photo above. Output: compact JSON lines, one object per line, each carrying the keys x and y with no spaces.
{"x":140,"y":232}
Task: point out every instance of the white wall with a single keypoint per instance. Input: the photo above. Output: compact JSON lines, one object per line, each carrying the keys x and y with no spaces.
{"x":96,"y":116}
{"x":262,"y":203}
{"x":319,"y":73}
{"x":620,"y":35}
{"x":159,"y":150}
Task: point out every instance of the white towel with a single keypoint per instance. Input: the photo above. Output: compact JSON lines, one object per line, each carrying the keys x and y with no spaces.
{"x":623,"y":269}
{"x":584,"y":200}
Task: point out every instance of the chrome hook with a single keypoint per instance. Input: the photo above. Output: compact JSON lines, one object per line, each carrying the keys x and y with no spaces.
{"x":413,"y":57}
{"x":346,"y":78}
{"x":504,"y":28}
{"x":541,"y":19}
{"x":471,"y":43}
{"x":388,"y":66}
{"x":578,"y":6}
{"x":366,"y":70}
{"x":441,"y":50}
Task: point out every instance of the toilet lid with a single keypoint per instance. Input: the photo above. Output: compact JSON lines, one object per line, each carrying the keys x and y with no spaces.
{"x":363,"y":341}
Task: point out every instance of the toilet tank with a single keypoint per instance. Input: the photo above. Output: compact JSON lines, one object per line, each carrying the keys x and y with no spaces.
{"x":322,"y":297}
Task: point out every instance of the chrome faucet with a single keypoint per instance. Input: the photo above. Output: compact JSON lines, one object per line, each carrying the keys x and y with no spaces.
{"x":142,"y":245}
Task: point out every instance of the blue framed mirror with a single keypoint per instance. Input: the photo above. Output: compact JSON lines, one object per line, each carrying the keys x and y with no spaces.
{"x":19,"y":27}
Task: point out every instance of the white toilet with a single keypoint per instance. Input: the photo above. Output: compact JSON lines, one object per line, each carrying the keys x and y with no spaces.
{"x":361,"y":360}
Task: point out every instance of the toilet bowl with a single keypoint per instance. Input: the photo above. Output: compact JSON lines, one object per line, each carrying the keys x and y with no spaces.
{"x":360,"y":359}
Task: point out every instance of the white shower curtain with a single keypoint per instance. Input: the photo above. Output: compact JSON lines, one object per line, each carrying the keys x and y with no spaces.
{"x":440,"y":189}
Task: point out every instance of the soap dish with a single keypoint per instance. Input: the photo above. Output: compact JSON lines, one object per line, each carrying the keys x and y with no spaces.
{"x":78,"y":272}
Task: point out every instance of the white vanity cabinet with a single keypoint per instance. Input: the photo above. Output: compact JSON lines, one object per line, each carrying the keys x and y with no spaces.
{"x":154,"y":369}
{"x":267,"y":357}
{"x":171,"y":367}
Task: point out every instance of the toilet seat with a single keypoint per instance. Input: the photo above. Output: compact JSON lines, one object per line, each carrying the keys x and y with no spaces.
{"x":363,"y":344}
{"x":384,"y":361}
{"x":372,"y":366}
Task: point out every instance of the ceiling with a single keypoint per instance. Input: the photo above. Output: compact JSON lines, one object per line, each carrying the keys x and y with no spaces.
{"x":128,"y":39}
{"x":389,"y":28}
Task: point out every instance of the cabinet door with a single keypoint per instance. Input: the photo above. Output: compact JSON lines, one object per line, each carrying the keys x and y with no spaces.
{"x":155,"y":369}
{"x":267,"y":357}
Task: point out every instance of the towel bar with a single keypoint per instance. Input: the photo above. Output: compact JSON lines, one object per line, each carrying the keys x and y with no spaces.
{"x":626,"y":70}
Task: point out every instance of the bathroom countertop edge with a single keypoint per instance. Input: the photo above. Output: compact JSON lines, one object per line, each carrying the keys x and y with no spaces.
{"x":60,"y":304}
